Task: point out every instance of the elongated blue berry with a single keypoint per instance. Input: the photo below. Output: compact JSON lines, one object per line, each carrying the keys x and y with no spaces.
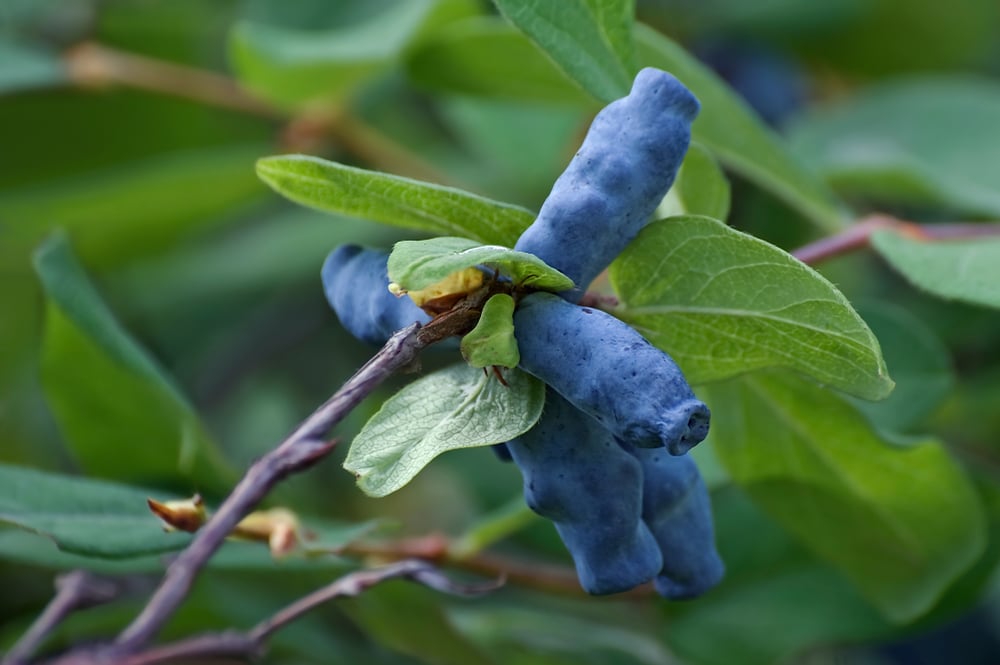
{"x":677,"y":509}
{"x":356,"y":284}
{"x":611,"y":187}
{"x":576,"y":475}
{"x":608,"y":370}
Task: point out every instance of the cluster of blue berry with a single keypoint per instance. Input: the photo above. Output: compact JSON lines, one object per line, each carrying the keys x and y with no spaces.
{"x":607,"y":461}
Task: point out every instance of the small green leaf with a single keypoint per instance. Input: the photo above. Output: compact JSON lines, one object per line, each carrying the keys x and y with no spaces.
{"x":919,"y":362}
{"x":591,"y":40}
{"x":923,"y":141}
{"x":723,"y":303}
{"x":487,"y":57}
{"x":84,"y":516}
{"x":291,"y":65}
{"x":459,"y":407}
{"x":416,"y":264}
{"x":491,"y":342}
{"x":701,"y":188}
{"x":394,"y":200}
{"x":119,"y":411}
{"x":902,"y":523}
{"x":965,"y":270}
{"x":728,"y":128}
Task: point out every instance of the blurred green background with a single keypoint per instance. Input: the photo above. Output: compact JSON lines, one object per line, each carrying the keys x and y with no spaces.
{"x":133,"y":126}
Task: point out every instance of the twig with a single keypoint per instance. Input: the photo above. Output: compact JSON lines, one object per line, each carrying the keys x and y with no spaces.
{"x":299,"y":450}
{"x":253,"y":643}
{"x":75,"y":590}
{"x":95,"y":65}
{"x":858,"y":236}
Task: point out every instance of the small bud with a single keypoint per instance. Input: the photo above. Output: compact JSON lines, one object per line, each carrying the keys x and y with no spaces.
{"x":181,"y":515}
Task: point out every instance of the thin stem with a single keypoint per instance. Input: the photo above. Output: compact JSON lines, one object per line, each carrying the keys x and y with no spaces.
{"x":251,"y":645}
{"x":74,"y":590}
{"x":858,"y":236}
{"x":96,"y":65}
{"x":298,"y":451}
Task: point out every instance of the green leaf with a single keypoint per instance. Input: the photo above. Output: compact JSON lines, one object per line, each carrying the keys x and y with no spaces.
{"x":291,"y":65}
{"x":902,"y":523}
{"x":416,"y":264}
{"x":919,"y":362}
{"x":119,"y":212}
{"x":728,"y":128}
{"x":487,"y":57}
{"x":122,"y":416}
{"x":591,"y":40}
{"x":393,"y":200}
{"x":927,"y":141}
{"x":83,"y":516}
{"x":459,"y":407}
{"x":767,"y":577}
{"x":27,"y":67}
{"x":68,"y":522}
{"x":492,"y":342}
{"x":701,"y":188}
{"x":723,"y":303}
{"x":412,"y":620}
{"x":965,"y":270}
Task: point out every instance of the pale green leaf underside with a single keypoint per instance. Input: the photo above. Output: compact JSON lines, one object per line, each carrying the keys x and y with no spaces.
{"x":591,"y":40}
{"x":459,"y":407}
{"x":966,"y":270}
{"x":723,"y":303}
{"x":393,"y":200}
{"x":901,"y":522}
{"x":416,"y":264}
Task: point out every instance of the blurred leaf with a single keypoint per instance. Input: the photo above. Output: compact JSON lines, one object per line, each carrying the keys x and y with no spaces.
{"x":416,"y":264}
{"x":728,"y":128}
{"x":25,"y":67}
{"x":901,"y":523}
{"x":458,"y":407}
{"x":341,"y":49}
{"x":966,"y":270}
{"x":770,"y":581}
{"x":919,"y":362}
{"x":521,"y":147}
{"x":723,"y":303}
{"x":927,"y":141}
{"x":590,"y":40}
{"x":540,"y":631}
{"x":886,"y":37}
{"x":492,"y":342}
{"x":121,"y":414}
{"x":409,"y":619}
{"x":121,"y":212}
{"x":701,"y":188}
{"x":488,"y":57}
{"x":83,"y":516}
{"x":394,"y":200}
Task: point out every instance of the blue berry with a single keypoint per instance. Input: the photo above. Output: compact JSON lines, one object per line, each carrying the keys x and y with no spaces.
{"x":356,"y":284}
{"x":608,"y":370}
{"x":611,"y":187}
{"x":577,"y":475}
{"x":677,"y":509}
